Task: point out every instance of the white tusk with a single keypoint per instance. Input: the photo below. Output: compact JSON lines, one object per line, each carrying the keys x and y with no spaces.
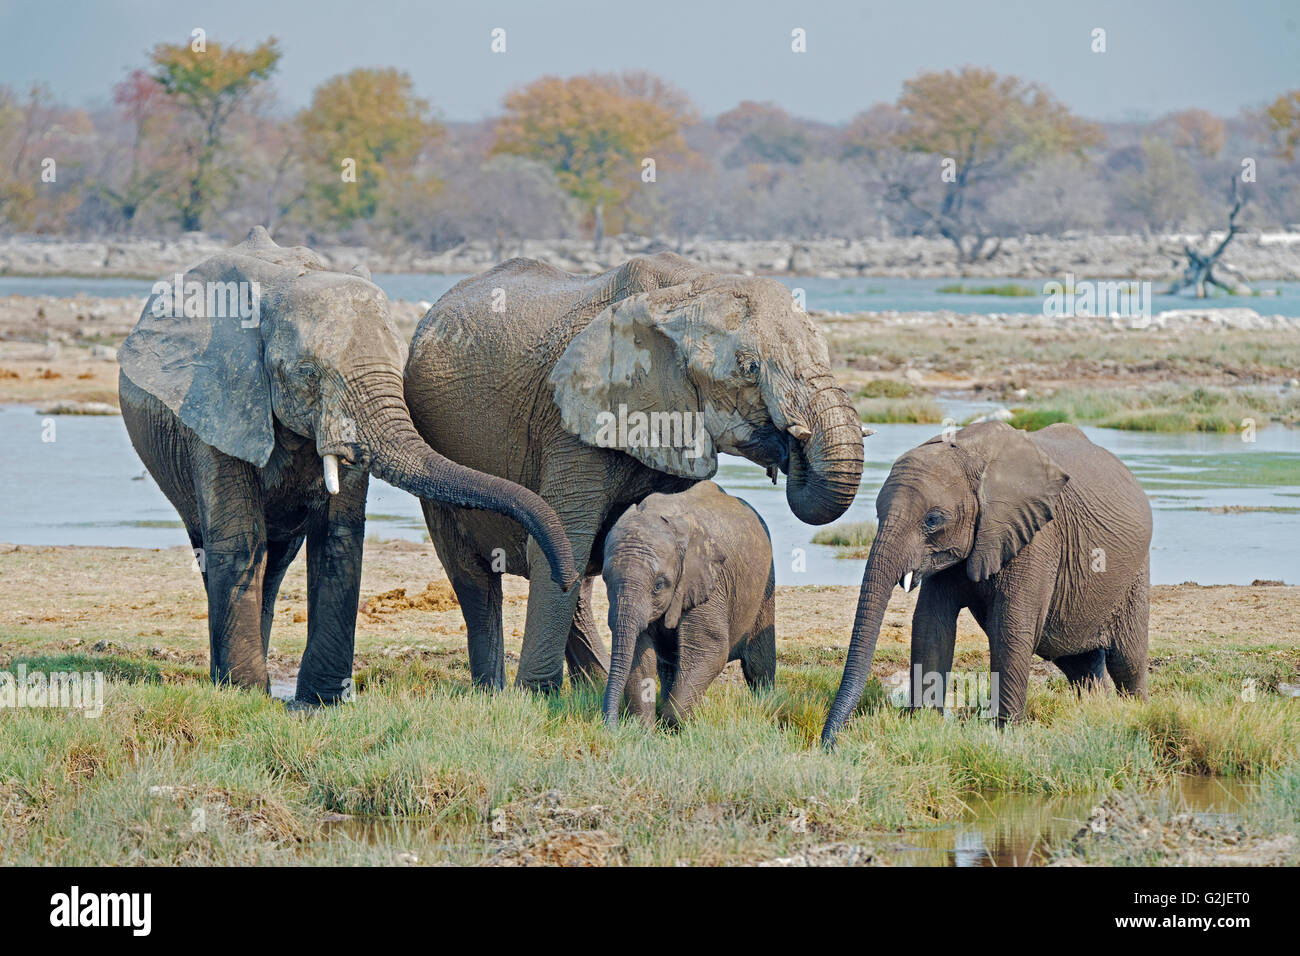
{"x":799,"y":432}
{"x":331,"y":463}
{"x":867,"y":432}
{"x":907,"y":581}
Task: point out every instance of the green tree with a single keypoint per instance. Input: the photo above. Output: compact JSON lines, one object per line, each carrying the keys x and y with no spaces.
{"x":594,"y":131}
{"x":360,"y":138}
{"x":985,"y":127}
{"x":1282,"y":117}
{"x":209,"y":84}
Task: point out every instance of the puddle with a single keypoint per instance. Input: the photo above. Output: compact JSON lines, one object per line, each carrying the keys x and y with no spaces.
{"x":1015,"y":829}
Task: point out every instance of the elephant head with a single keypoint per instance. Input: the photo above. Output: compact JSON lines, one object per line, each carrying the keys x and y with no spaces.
{"x":726,"y":363}
{"x":659,"y":565}
{"x":264,"y":334}
{"x":976,"y":496}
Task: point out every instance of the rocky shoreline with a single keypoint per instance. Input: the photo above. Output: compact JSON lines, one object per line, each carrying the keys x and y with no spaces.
{"x":1260,"y":257}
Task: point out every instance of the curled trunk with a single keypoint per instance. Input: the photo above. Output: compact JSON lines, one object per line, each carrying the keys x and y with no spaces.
{"x":402,"y":458}
{"x":825,"y":469}
{"x":884,"y":567}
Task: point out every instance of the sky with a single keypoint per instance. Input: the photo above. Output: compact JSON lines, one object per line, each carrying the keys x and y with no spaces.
{"x":1161,"y":55}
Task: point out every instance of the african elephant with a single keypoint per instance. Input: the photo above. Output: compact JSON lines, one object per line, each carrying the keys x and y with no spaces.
{"x":595,"y":391}
{"x":1044,"y":536}
{"x":262,"y":428}
{"x":691,"y":587}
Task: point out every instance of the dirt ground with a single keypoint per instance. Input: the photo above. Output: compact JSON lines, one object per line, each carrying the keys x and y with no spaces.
{"x":151,"y":601}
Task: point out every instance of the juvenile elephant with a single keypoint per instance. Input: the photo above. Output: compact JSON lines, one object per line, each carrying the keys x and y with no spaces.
{"x":1044,"y":536}
{"x":595,"y":391}
{"x":262,"y":428}
{"x":691,"y":587}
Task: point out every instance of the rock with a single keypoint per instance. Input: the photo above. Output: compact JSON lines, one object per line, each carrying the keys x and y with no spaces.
{"x":105,"y":353}
{"x":69,"y":407}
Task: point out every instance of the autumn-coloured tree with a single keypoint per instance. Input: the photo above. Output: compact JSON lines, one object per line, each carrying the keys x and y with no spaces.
{"x":595,"y":132}
{"x":1197,"y":132}
{"x":144,"y":108}
{"x":209,"y":82}
{"x":43,"y":147}
{"x":360,"y":138}
{"x":1282,"y":118}
{"x":980,"y":128}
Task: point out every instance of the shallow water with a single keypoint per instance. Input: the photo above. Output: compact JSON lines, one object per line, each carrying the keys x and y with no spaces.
{"x":87,"y":487}
{"x":839,"y":295}
{"x":998,"y":829}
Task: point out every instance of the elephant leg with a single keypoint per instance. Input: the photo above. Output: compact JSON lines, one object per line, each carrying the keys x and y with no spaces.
{"x":551,"y":611}
{"x":1014,"y":625}
{"x":758,"y":654}
{"x":702,"y":650}
{"x":1086,"y":671}
{"x":279,"y":555}
{"x":478,"y":591}
{"x":585,"y":651}
{"x":334,"y":551}
{"x":934,"y":634}
{"x":233,"y":560}
{"x":1126,"y":655}
{"x":641,"y":692}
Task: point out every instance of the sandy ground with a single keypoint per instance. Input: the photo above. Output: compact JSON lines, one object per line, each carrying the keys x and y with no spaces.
{"x":151,"y":601}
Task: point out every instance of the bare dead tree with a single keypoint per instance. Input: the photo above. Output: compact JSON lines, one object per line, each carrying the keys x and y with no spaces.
{"x":1199,"y":272}
{"x":949,"y":223}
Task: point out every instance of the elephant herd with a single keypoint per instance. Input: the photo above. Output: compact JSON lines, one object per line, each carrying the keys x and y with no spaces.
{"x":558,"y":427}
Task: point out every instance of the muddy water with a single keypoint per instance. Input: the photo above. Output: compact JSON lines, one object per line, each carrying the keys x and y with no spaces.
{"x":1016,"y":829}
{"x":999,"y":830}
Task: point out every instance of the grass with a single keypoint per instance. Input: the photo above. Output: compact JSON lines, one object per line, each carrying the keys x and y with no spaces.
{"x":892,"y":401}
{"x":852,"y":538}
{"x":1010,"y":290}
{"x":1164,"y":408}
{"x":177,"y":772}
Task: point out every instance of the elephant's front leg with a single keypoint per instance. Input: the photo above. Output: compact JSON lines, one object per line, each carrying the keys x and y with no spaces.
{"x":934,"y":636}
{"x":550,"y":615}
{"x":641,"y":692}
{"x":233,"y":559}
{"x":334,"y":551}
{"x":584,"y":651}
{"x":1014,"y":626}
{"x":703,"y":643}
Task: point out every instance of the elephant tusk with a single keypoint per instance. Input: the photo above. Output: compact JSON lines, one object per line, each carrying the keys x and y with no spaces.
{"x":772,"y":472}
{"x":867,"y":432}
{"x":907,"y":582}
{"x":799,"y":432}
{"x":331,"y":465}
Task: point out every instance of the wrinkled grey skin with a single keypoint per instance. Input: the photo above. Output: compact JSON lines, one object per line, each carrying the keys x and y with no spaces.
{"x":1014,"y":526}
{"x":517,"y":392}
{"x":691,"y":587}
{"x":234,"y":424}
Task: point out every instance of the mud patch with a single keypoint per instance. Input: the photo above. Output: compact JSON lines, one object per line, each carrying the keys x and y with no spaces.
{"x":437,"y":596}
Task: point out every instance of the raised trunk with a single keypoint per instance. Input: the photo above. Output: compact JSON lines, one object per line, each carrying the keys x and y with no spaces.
{"x":885,"y":565}
{"x":401,"y":457}
{"x":825,"y":469}
{"x":628,"y":618}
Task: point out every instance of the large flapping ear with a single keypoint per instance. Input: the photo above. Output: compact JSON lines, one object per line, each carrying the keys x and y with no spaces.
{"x":701,"y":563}
{"x":207,"y":365}
{"x":628,"y":380}
{"x":1018,"y":491}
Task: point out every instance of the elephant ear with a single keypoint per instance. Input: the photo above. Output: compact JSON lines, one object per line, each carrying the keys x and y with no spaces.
{"x":209,"y":371}
{"x":641,"y":357}
{"x":1018,"y":491}
{"x":701,"y":563}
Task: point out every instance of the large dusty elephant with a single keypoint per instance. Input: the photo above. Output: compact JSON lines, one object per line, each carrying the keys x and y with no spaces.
{"x":262,"y":424}
{"x":691,"y":587}
{"x":1045,"y":537}
{"x":595,"y":391}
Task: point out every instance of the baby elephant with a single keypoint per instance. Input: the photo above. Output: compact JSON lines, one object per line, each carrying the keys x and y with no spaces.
{"x":691,"y":587}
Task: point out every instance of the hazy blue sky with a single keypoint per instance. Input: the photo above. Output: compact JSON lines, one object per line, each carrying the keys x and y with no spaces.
{"x":1162,"y":55}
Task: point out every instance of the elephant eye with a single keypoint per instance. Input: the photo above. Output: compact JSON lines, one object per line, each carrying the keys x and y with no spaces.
{"x":308,"y":371}
{"x":749,"y":368}
{"x":935,"y":520}
{"x":660,"y":584}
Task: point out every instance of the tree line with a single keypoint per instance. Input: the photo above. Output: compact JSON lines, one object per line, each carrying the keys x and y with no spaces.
{"x":195,"y":140}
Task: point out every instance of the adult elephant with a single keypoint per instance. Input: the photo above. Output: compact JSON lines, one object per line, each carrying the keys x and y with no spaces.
{"x":262,"y":425}
{"x":532,"y":373}
{"x":1044,"y":536}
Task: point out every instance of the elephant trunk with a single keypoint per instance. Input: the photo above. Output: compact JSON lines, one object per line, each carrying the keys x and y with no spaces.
{"x":628,"y":617}
{"x":825,"y":467}
{"x":885,"y":565}
{"x":402,"y":458}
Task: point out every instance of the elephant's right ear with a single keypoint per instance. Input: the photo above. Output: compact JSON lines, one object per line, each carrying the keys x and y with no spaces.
{"x":209,"y":371}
